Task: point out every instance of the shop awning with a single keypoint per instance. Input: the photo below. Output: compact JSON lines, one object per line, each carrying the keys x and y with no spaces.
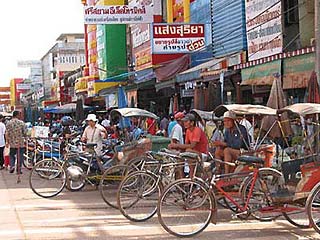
{"x":261,"y":74}
{"x":297,"y":71}
{"x":144,"y":75}
{"x":165,"y":84}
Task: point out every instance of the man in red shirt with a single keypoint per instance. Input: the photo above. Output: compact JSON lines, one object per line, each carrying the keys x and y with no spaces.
{"x":196,"y":139}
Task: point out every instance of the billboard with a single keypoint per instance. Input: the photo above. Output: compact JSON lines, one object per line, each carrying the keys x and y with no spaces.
{"x":264,"y":28}
{"x":121,"y":14}
{"x":177,"y":38}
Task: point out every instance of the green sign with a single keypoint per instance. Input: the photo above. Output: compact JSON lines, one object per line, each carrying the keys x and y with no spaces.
{"x":262,"y":74}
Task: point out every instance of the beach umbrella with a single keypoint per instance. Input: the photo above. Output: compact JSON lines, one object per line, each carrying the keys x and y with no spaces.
{"x":122,"y":103}
{"x":312,"y":93}
{"x":277,"y":100}
{"x":79,"y":110}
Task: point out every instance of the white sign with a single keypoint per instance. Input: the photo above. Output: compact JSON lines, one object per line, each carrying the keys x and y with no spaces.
{"x":23,"y":86}
{"x":29,"y":63}
{"x":123,"y":14}
{"x":264,"y":28}
{"x":177,"y":38}
{"x":40,"y":132}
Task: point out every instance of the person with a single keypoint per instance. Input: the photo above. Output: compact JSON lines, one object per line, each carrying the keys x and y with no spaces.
{"x":94,"y":133}
{"x":151,"y":126}
{"x":164,"y":123}
{"x":235,"y":139}
{"x":176,"y":134}
{"x":2,"y":141}
{"x":66,"y":122}
{"x":106,"y":122}
{"x":196,"y":139}
{"x":15,"y":133}
{"x":172,"y":123}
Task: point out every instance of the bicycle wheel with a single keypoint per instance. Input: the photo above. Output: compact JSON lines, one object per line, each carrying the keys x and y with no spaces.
{"x":186,"y":208}
{"x":260,"y":203}
{"x":138,"y":196}
{"x":313,"y":208}
{"x":47,"y":178}
{"x":298,"y":216}
{"x":110,"y":182}
{"x":75,"y":182}
{"x":28,"y":160}
{"x":143,"y":163}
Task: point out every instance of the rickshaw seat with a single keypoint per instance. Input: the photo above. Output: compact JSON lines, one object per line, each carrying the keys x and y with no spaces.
{"x":189,"y":155}
{"x":250,"y":159}
{"x":91,"y":145}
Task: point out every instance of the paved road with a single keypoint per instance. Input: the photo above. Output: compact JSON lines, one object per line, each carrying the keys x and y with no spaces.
{"x":83,"y":215}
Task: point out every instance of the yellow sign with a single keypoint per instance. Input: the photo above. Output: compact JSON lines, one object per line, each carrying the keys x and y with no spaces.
{"x":95,"y":86}
{"x":81,"y":84}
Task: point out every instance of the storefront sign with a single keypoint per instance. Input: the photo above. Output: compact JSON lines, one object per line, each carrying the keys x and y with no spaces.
{"x":143,"y":59}
{"x":264,"y":28}
{"x":23,"y":86}
{"x":261,"y":74}
{"x":177,"y":38}
{"x":297,"y":71}
{"x":140,"y":34}
{"x":81,"y":85}
{"x":187,"y":93}
{"x":123,"y":14}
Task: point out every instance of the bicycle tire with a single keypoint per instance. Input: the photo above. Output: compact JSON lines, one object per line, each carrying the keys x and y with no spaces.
{"x":267,"y":180}
{"x":47,"y":171}
{"x":302,"y":220}
{"x":138,"y":196}
{"x":110,"y":182}
{"x":313,"y":208}
{"x":184,"y":195}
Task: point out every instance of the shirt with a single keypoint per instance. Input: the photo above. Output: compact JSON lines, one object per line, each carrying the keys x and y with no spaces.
{"x":106,"y":123}
{"x":164,"y":124}
{"x":177,"y":134}
{"x":170,"y":127}
{"x":236,"y":139}
{"x":197,"y":135}
{"x":2,"y":133}
{"x":16,"y":132}
{"x":95,"y":135}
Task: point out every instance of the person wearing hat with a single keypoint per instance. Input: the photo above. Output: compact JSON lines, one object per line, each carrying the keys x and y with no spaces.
{"x":196,"y":139}
{"x":94,"y":133}
{"x":176,"y":134}
{"x":235,"y":138}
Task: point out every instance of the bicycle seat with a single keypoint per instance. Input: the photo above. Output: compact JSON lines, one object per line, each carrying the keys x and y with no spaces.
{"x":250,"y":159}
{"x":189,"y":155}
{"x":91,"y":145}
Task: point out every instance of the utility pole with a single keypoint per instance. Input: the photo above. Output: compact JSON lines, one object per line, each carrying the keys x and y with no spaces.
{"x":317,"y":36}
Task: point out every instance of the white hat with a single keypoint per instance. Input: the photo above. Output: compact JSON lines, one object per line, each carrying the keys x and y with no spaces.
{"x":229,"y":114}
{"x":92,"y":117}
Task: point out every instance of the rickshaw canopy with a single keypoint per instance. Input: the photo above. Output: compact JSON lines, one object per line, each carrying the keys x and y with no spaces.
{"x":302,"y":109}
{"x":133,"y":112}
{"x":202,"y":115}
{"x":245,"y":109}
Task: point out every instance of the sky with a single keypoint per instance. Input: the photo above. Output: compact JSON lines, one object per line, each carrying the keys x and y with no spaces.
{"x":29,"y":28}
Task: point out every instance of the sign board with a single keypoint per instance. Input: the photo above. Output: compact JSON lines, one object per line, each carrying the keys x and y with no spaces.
{"x":23,"y":86}
{"x":264,"y":28}
{"x":177,"y":38}
{"x":122,"y":14}
{"x":40,"y":132}
{"x":143,"y":59}
{"x":29,"y":63}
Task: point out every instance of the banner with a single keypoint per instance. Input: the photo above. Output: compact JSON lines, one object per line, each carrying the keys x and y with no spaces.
{"x":177,"y":38}
{"x":123,"y":14}
{"x":264,"y":28}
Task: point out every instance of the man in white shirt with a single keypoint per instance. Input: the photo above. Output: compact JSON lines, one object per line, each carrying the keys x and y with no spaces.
{"x":2,"y":141}
{"x":176,"y":134}
{"x":94,"y":133}
{"x":106,"y":122}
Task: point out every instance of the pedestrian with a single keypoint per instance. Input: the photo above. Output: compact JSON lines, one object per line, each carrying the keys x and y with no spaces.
{"x":2,"y":141}
{"x":164,"y":125}
{"x":106,"y":122}
{"x":172,"y":123}
{"x":15,"y":133}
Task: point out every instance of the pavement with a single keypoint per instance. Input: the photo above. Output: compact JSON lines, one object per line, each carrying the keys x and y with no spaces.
{"x":84,"y":215}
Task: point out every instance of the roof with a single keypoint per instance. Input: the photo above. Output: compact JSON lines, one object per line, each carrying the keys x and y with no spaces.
{"x":133,"y":112}
{"x":245,"y":109}
{"x":64,"y":35}
{"x":303,"y":109}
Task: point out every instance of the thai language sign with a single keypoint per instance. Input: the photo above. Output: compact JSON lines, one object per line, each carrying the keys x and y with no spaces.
{"x":177,"y":38}
{"x":264,"y":28}
{"x":123,"y":14}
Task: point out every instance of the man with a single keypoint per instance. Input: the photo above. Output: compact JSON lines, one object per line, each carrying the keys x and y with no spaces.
{"x":176,"y":134}
{"x":15,"y":134}
{"x":196,"y":139}
{"x":106,"y":122}
{"x":94,"y":133}
{"x":2,"y":141}
{"x":235,"y":138}
{"x":172,"y":123}
{"x":164,"y":123}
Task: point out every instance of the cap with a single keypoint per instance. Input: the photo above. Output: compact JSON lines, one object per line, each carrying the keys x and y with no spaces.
{"x":229,"y":114}
{"x":179,"y":115}
{"x":189,"y":117}
{"x":92,"y":117}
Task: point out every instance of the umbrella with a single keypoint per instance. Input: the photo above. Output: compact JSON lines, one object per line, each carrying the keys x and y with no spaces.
{"x":312,"y":94}
{"x":79,"y":110}
{"x":69,"y":108}
{"x":171,"y":111}
{"x":122,"y":103}
{"x":277,"y":100}
{"x":132,"y":103}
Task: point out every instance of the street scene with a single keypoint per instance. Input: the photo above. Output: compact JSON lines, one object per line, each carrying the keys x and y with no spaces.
{"x":160,"y":119}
